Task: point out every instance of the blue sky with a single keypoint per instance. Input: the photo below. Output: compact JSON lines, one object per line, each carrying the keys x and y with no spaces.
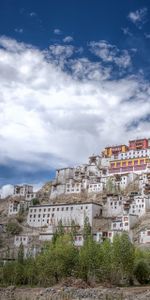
{"x":74,"y":77}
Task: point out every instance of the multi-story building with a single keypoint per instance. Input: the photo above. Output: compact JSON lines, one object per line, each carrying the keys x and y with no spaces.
{"x":124,"y":222}
{"x":45,"y":215}
{"x":114,"y":150}
{"x":136,"y":165}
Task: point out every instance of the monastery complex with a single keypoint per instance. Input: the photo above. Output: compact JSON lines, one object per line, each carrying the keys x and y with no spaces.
{"x":111,"y":191}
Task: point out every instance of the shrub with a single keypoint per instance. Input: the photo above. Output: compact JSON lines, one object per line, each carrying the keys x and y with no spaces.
{"x":13,"y":228}
{"x":142,"y":271}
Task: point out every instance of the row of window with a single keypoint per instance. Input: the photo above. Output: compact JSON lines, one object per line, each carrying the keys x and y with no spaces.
{"x":55,"y":209}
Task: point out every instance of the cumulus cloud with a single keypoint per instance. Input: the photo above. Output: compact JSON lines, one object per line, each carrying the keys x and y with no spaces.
{"x":110,"y":53}
{"x":51,"y":116}
{"x":6,"y":190}
{"x":138,"y":17}
{"x":57,"y":31}
{"x":68,"y":39}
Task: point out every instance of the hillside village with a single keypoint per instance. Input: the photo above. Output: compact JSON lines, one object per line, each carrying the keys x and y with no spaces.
{"x":111,"y":192}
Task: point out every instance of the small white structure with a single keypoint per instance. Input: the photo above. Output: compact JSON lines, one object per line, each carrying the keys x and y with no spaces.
{"x":21,"y":239}
{"x":103,"y":235}
{"x":140,"y":205}
{"x":124,"y":223}
{"x":45,"y":215}
{"x":79,"y":240}
{"x":23,"y":190}
{"x":144,"y":236}
{"x":73,"y":187}
{"x":96,"y":187}
{"x":113,"y":206}
{"x":14,"y":207}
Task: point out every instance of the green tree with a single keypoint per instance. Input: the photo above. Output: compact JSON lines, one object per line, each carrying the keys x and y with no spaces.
{"x":88,"y":259}
{"x":57,"y":261}
{"x":123,"y":257}
{"x":87,"y":228}
{"x":105,"y":262}
{"x":21,"y":254}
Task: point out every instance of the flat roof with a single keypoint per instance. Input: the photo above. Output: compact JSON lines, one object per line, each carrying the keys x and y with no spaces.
{"x":115,"y":146}
{"x":65,"y":168}
{"x":65,"y":204}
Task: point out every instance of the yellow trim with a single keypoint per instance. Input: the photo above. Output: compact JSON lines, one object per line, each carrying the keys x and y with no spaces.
{"x":122,"y":161}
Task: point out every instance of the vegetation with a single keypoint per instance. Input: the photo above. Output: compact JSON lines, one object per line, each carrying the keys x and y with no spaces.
{"x":35,"y":201}
{"x":115,"y":263}
{"x":13,"y":228}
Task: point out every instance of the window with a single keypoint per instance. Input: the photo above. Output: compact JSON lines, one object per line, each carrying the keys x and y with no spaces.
{"x":49,"y":209}
{"x":53,"y":209}
{"x":39,"y":216}
{"x":52,"y":215}
{"x":126,"y":224}
{"x":44,"y":209}
{"x":34,"y":216}
{"x":35,"y":210}
{"x":57,"y":208}
{"x":81,"y":207}
{"x":62,"y":208}
{"x":71,"y":208}
{"x":66,"y":208}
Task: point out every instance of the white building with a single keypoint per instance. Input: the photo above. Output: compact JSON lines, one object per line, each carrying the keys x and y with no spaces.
{"x":14,"y":207}
{"x":103,"y":235}
{"x":140,"y":204}
{"x":45,"y":215}
{"x":73,"y":186}
{"x":113,"y":206}
{"x":124,"y":223}
{"x":144,"y":236}
{"x":23,"y":190}
{"x":96,"y":187}
{"x":134,"y":154}
{"x":22,"y":239}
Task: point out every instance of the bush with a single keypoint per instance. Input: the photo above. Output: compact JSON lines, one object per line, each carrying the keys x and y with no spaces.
{"x":35,"y":201}
{"x":142,"y":271}
{"x":13,"y":228}
{"x":20,"y":218}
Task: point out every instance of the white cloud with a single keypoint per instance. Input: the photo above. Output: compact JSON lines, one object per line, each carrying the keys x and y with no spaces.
{"x":61,"y":51}
{"x":126,"y":31}
{"x":110,"y":53}
{"x":51,"y":116}
{"x":57,"y":31}
{"x":147,"y":35}
{"x":138,"y":17}
{"x":32,"y":14}
{"x":6,"y":190}
{"x":68,"y":39}
{"x":19,"y":30}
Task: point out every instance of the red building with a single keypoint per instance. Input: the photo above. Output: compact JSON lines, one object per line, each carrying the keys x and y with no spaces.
{"x":138,"y":144}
